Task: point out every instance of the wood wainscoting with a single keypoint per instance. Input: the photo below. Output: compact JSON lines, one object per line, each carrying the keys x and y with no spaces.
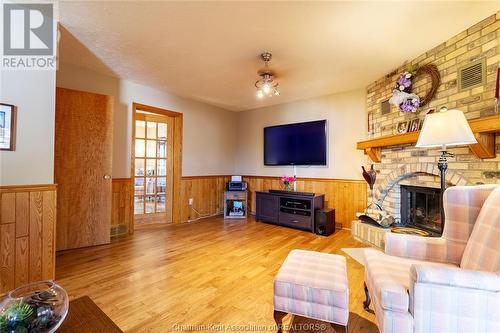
{"x":346,"y":196}
{"x":122,"y":211}
{"x":27,"y":234}
{"x":207,"y":193}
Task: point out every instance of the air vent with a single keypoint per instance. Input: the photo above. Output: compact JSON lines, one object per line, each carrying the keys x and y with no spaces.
{"x":472,"y":75}
{"x":386,"y":107}
{"x":118,"y":229}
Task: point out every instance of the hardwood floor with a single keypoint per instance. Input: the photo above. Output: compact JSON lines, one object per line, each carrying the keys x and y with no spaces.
{"x":203,"y":273}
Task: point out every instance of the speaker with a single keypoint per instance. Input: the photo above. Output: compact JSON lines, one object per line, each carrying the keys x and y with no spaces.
{"x":324,"y":221}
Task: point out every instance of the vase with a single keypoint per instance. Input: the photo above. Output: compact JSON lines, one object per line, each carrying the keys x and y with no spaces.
{"x":36,"y":307}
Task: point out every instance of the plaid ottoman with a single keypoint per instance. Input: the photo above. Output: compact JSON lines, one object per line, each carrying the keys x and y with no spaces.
{"x":313,"y":285}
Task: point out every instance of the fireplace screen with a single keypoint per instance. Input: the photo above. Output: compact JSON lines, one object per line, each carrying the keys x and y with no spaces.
{"x":421,"y":208}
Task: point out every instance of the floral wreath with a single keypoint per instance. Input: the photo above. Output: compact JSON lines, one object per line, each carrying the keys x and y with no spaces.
{"x":402,"y":95}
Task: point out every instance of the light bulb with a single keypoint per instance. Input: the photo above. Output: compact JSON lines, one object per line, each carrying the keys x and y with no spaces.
{"x":276,"y":92}
{"x":260,"y":94}
{"x":266,"y":88}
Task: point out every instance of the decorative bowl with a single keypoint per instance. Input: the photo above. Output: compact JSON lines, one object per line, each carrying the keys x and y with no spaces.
{"x":37,"y":307}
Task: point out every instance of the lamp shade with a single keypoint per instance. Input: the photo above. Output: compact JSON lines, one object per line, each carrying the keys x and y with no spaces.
{"x":445,"y":128}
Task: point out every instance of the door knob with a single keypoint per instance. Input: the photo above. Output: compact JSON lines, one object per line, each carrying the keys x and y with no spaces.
{"x":107,"y":177}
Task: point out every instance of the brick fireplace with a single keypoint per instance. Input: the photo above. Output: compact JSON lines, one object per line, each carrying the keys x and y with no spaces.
{"x":408,"y":165}
{"x":421,"y":208}
{"x":387,"y":191}
{"x":415,"y":166}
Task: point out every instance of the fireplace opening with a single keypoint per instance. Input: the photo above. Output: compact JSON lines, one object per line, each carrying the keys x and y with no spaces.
{"x":421,"y":208}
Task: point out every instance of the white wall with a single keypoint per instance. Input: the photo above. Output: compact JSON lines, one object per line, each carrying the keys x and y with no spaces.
{"x":346,"y":121}
{"x":208,"y":132}
{"x":218,"y":142}
{"x":33,"y":92}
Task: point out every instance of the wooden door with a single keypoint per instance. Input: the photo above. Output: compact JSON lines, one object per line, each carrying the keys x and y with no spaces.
{"x":83,"y":150}
{"x":152,"y":168}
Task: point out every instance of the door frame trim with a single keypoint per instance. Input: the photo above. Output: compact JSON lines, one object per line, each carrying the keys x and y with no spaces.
{"x":177,"y":162}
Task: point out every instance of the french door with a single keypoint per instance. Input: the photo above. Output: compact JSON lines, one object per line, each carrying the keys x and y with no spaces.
{"x":153,"y":168}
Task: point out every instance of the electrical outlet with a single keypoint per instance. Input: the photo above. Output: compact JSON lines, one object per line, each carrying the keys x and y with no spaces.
{"x":190,"y":201}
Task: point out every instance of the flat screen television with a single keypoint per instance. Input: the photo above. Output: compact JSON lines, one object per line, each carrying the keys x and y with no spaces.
{"x":295,"y":144}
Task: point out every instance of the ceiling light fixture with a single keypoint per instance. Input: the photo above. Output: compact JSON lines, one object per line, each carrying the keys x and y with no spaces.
{"x":266,"y":85}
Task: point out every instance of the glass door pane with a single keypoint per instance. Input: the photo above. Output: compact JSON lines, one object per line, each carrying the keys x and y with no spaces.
{"x":151,"y":130}
{"x":150,"y":186}
{"x":151,"y":148}
{"x":139,"y":167}
{"x":161,"y":185}
{"x":139,"y":186}
{"x":162,"y":149}
{"x":150,"y":167}
{"x":162,"y":167}
{"x":160,"y":203}
{"x":162,"y":131}
{"x":140,"y":150}
{"x":138,"y":205}
{"x":140,"y":129}
{"x":150,"y":204}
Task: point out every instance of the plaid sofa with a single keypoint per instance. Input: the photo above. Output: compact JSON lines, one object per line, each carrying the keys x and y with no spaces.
{"x":446,"y":284}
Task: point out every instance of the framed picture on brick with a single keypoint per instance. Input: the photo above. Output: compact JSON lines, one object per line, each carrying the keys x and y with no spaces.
{"x":371,"y":124}
{"x":402,"y":127}
{"x":414,"y":125}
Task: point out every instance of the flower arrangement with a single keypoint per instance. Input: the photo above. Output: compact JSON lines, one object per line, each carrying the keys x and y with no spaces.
{"x":402,"y":95}
{"x":288,"y":182}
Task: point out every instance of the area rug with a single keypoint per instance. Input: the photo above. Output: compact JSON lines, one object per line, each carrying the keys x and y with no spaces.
{"x":355,"y":253}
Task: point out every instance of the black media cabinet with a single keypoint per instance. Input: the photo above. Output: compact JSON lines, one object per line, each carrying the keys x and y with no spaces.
{"x":289,"y":209}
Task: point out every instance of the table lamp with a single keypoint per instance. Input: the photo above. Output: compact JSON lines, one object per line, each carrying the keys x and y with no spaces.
{"x":443,"y":129}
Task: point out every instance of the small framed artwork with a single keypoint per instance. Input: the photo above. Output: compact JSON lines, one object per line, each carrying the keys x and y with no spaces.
{"x":371,"y":125}
{"x":414,"y":125}
{"x":402,"y":127}
{"x":7,"y":126}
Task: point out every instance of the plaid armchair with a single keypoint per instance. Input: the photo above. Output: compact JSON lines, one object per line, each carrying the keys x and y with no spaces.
{"x":446,"y":284}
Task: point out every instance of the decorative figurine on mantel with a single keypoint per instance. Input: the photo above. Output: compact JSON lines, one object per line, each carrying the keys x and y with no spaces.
{"x":374,"y":214}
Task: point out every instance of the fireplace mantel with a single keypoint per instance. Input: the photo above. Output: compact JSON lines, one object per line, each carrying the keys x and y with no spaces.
{"x":484,"y":130}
